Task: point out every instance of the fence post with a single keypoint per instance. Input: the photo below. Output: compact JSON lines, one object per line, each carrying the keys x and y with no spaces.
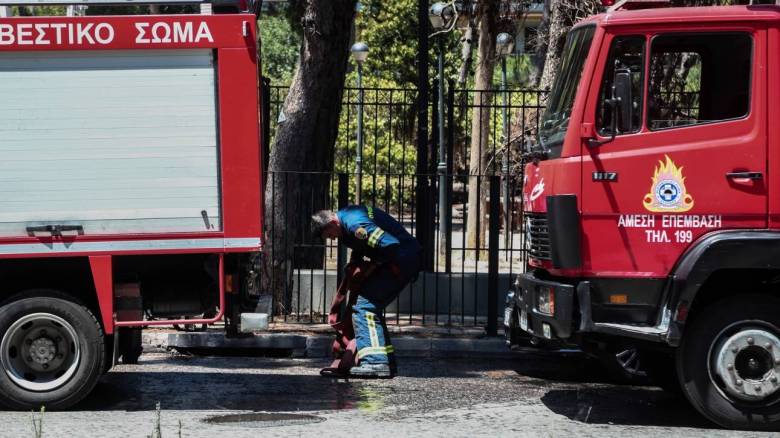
{"x":495,"y":215}
{"x":265,"y":97}
{"x":450,"y":147}
{"x":343,"y":200}
{"x":422,"y":207}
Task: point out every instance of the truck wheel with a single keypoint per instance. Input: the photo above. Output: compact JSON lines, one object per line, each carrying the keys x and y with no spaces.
{"x":729,"y":362}
{"x":51,"y":351}
{"x":130,"y":345}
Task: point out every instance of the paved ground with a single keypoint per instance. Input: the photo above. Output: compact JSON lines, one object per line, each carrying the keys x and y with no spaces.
{"x":530,"y":396}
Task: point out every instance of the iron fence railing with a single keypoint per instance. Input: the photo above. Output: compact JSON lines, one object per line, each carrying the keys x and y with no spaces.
{"x":673,"y":108}
{"x":472,"y":259}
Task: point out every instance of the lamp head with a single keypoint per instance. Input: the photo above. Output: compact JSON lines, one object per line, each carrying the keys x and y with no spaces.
{"x":504,"y":44}
{"x":359,"y":52}
{"x":441,"y":15}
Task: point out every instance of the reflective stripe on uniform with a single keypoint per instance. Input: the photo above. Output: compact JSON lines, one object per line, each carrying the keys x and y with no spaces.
{"x":373,"y":240}
{"x":375,"y":350}
{"x":372,"y":329}
{"x":370,"y":211}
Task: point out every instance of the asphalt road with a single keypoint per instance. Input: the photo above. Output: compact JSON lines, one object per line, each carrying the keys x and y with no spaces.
{"x":532,"y":396}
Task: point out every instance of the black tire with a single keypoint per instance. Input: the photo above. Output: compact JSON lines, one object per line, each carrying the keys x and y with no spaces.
{"x":130,"y":345}
{"x":79,"y":372}
{"x":702,"y":337}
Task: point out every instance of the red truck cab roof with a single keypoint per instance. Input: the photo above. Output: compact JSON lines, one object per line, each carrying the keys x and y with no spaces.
{"x":703,"y":14}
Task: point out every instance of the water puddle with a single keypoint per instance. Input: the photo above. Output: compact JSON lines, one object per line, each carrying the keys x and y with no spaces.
{"x":264,"y":419}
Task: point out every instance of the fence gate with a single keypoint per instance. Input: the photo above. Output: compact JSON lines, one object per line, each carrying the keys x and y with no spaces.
{"x":472,"y":257}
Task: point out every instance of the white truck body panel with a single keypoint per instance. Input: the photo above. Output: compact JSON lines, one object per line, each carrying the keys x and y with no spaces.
{"x":115,"y":141}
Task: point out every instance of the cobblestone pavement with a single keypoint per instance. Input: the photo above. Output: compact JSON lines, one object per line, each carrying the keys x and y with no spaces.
{"x":531,"y":396}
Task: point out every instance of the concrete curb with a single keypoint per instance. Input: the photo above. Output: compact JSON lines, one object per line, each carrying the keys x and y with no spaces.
{"x":318,"y":346}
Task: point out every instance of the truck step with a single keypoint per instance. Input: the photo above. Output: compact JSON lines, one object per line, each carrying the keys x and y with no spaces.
{"x":637,"y":328}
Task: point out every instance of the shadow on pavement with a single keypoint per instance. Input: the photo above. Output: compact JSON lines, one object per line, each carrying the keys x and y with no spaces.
{"x":220,"y":362}
{"x":140,"y":391}
{"x":597,"y":399}
{"x":568,"y":385}
{"x":624,"y":405}
{"x":281,"y":385}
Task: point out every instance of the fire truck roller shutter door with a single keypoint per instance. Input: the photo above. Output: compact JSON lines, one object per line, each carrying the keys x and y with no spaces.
{"x":114,"y":141}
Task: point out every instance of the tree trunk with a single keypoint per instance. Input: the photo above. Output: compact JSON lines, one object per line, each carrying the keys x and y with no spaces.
{"x":540,"y":43}
{"x":480,"y":124}
{"x":304,"y":142}
{"x":556,"y":37}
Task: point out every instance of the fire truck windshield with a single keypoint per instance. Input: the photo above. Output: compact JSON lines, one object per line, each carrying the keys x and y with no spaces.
{"x":561,"y":100}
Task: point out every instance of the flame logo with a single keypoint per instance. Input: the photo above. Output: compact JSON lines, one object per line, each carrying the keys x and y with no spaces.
{"x":537,"y":190}
{"x":668,"y":193}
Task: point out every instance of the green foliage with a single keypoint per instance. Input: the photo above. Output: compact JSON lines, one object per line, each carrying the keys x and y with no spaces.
{"x":279,"y":48}
{"x":519,"y":70}
{"x":390,"y":30}
{"x":388,"y":148}
{"x":37,"y":10}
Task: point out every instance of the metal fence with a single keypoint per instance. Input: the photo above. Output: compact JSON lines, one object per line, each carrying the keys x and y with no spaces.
{"x":466,"y":272}
{"x":674,"y":108}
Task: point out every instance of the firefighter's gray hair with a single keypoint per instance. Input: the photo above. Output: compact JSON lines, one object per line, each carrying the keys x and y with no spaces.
{"x":319,"y":221}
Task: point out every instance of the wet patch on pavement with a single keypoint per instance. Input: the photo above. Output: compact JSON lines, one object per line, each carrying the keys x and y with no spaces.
{"x":262,"y":419}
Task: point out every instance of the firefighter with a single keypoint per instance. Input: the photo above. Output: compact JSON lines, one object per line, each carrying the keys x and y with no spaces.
{"x":395,"y":255}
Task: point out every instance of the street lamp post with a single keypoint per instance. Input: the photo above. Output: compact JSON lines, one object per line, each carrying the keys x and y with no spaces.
{"x":504,"y":45}
{"x":441,"y":16}
{"x":360,"y":53}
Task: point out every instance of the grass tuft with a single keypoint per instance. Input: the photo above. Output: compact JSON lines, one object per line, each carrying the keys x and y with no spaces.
{"x":157,"y":427}
{"x":37,"y":423}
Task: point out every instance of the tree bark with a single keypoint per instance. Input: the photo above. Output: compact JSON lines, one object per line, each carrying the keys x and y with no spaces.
{"x":304,"y":142}
{"x":540,"y":43}
{"x":562,"y":16}
{"x":556,"y":37}
{"x":479,"y":154}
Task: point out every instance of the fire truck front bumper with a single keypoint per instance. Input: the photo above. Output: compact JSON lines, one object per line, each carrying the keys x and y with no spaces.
{"x":545,"y":309}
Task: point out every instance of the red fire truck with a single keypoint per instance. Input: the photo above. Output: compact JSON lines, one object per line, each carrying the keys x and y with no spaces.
{"x":652,"y":210}
{"x":130,"y":187}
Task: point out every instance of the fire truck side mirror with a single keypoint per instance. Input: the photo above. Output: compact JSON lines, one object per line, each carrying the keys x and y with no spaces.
{"x":622,"y":94}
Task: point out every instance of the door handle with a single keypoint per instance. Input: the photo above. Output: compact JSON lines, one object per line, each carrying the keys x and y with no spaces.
{"x":55,"y":230}
{"x":745,"y":175}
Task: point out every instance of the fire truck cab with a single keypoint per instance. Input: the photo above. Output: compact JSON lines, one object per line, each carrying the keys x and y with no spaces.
{"x":651,"y":204}
{"x":130,"y":186}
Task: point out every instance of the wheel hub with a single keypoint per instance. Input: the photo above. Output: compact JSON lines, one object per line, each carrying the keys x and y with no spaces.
{"x":748,"y":363}
{"x":40,"y":352}
{"x":43,"y":350}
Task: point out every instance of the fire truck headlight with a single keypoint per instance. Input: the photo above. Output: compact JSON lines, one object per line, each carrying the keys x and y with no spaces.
{"x":545,"y":300}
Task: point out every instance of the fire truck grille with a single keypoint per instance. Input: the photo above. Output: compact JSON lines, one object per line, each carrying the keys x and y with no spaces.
{"x":537,"y":236}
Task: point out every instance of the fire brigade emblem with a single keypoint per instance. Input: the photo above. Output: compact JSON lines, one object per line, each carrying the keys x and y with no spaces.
{"x":668,"y":193}
{"x":361,"y":233}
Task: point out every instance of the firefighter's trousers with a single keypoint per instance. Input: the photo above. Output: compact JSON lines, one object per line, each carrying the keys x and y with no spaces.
{"x":379,"y":290}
